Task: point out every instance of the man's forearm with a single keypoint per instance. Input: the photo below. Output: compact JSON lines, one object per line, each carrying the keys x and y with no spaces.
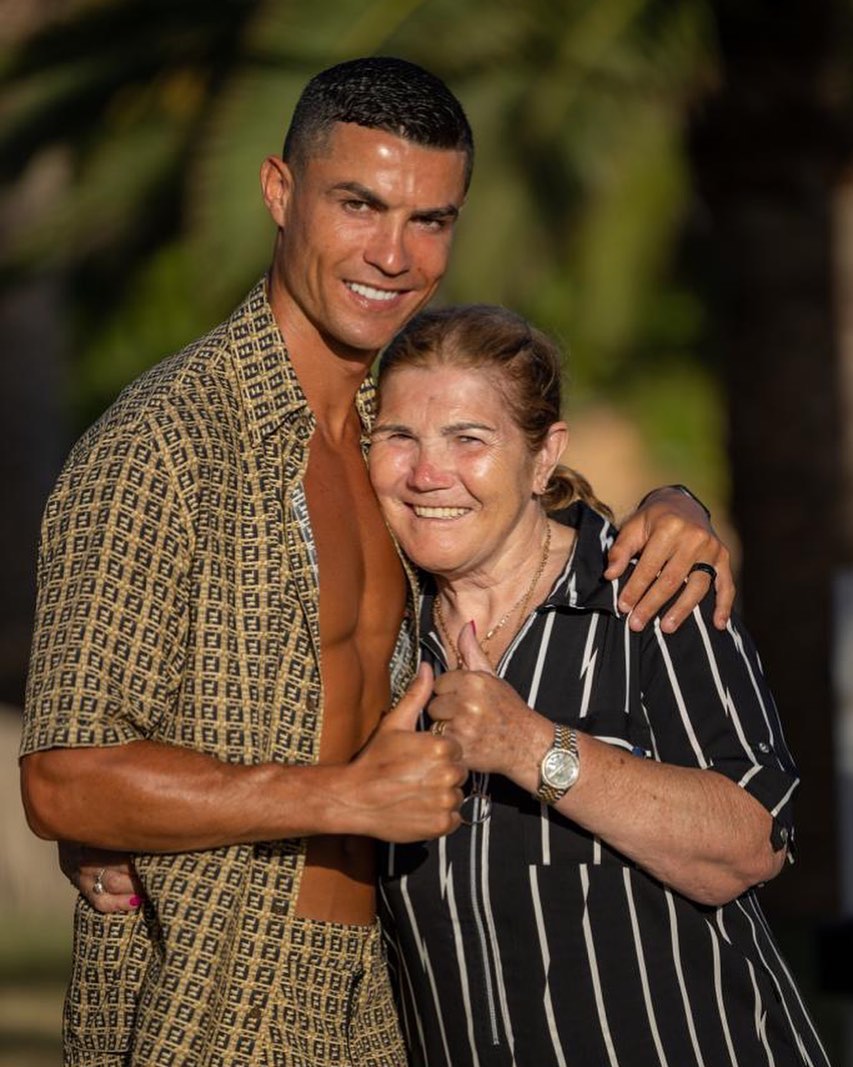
{"x":152,"y":797}
{"x":149,"y":797}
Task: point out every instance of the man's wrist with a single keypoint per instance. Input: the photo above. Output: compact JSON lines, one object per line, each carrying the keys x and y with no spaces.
{"x":678,"y":489}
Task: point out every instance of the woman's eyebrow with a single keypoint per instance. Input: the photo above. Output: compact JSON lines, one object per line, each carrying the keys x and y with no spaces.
{"x":446,"y":431}
{"x":460,"y":427}
{"x":384,"y":427}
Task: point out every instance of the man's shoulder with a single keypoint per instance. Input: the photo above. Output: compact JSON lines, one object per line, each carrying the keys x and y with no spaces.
{"x":200,"y":377}
{"x":172,"y":407}
{"x":199,"y":370}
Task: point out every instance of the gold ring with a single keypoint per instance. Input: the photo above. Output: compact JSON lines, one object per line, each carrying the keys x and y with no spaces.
{"x":438,"y":727}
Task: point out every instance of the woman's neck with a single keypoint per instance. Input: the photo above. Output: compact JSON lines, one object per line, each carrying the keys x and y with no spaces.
{"x":500,"y":599}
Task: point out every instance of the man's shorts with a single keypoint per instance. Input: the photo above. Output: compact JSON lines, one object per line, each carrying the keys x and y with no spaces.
{"x":336,"y":1005}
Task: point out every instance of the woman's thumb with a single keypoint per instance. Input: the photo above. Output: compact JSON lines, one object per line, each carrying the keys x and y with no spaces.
{"x":470,"y":651}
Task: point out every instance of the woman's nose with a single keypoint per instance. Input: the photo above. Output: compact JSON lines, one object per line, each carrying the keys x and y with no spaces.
{"x":427,"y":472}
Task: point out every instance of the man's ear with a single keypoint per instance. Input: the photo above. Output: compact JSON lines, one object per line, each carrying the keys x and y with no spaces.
{"x":550,"y":454}
{"x":276,"y":187}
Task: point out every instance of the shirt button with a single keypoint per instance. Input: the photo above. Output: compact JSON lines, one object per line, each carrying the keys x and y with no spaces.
{"x":763,"y":747}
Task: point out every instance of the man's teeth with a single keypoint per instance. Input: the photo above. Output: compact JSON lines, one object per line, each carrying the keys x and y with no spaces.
{"x":439,"y":513}
{"x":372,"y":294}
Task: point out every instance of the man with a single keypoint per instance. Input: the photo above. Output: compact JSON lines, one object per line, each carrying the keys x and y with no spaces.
{"x":219,"y":603}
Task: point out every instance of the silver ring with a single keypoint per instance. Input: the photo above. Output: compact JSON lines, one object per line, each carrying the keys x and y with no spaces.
{"x":438,"y":727}
{"x":705,"y":568}
{"x":98,"y":885}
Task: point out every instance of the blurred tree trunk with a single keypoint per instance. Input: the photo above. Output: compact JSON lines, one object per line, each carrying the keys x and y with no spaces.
{"x":31,"y":407}
{"x":33,"y":386}
{"x":766,"y":153}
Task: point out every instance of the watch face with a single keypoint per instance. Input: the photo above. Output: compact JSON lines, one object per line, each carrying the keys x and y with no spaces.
{"x":560,"y":768}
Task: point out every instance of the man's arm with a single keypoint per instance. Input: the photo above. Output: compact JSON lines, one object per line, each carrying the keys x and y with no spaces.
{"x":670,"y":532}
{"x":150,"y":797}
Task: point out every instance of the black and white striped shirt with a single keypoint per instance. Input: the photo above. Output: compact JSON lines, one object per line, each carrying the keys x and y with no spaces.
{"x":527,"y":941}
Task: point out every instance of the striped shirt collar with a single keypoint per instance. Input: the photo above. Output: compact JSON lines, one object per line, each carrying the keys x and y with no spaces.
{"x":582,"y":584}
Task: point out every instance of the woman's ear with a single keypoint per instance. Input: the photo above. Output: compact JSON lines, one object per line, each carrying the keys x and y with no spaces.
{"x":550,"y":455}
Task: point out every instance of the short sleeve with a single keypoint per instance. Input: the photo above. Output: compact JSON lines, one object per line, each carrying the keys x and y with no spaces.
{"x":111,"y":607}
{"x":708,"y":705}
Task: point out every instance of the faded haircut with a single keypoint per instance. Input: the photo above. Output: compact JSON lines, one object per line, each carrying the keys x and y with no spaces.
{"x":381,"y":93}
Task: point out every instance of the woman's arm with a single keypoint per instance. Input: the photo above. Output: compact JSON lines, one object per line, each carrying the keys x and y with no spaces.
{"x":692,"y":827}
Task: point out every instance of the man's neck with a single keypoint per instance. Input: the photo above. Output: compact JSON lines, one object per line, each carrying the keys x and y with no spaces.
{"x":330,"y":375}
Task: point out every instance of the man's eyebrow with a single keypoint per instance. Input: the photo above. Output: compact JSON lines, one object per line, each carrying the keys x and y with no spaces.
{"x":435,"y":214}
{"x":361,"y":191}
{"x":448,"y":213}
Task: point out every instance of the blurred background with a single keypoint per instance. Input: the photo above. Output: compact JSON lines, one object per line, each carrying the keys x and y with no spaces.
{"x":665,"y":185}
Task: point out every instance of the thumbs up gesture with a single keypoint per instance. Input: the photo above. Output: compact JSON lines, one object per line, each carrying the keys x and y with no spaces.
{"x":405,"y":785}
{"x":498,"y":732}
{"x":471,"y":652}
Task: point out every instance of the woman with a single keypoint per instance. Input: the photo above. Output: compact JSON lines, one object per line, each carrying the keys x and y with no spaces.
{"x":626,"y":791}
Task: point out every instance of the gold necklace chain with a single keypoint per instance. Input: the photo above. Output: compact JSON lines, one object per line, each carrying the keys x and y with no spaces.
{"x":522,"y":603}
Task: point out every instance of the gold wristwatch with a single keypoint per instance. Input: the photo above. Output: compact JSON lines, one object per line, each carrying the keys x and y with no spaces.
{"x":560,"y":765}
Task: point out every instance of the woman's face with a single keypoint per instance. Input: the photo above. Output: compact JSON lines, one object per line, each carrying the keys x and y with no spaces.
{"x":452,"y":471}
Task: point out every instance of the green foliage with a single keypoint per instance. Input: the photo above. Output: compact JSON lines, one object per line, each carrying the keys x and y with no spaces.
{"x":162,"y":110}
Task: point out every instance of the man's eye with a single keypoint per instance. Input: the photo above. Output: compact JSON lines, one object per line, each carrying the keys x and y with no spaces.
{"x":433,"y":225}
{"x":356,"y":207}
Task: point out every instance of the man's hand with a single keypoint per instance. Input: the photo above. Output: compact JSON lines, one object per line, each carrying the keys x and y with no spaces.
{"x":670,"y":532}
{"x":90,"y":868}
{"x":404,"y":785}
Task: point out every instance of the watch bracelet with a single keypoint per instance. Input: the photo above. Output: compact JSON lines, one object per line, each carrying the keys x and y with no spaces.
{"x":567,"y":739}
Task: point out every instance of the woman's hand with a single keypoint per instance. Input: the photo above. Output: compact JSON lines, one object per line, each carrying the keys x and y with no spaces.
{"x":669,"y":533}
{"x":498,"y":732}
{"x":106,"y":879}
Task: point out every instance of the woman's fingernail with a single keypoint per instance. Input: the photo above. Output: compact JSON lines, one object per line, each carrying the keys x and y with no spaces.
{"x":135,"y":901}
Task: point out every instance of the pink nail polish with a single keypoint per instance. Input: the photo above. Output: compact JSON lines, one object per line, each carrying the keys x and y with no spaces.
{"x":135,"y":901}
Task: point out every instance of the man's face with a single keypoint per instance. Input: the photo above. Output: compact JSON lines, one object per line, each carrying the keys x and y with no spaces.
{"x":365,"y":232}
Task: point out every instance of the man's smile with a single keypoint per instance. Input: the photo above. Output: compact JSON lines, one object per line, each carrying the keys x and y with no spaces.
{"x":369,"y":292}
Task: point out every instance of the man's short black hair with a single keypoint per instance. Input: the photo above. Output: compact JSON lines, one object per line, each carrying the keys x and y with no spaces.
{"x":381,"y":93}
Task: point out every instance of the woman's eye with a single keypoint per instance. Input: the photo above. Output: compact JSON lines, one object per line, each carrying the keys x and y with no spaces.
{"x":392,"y":435}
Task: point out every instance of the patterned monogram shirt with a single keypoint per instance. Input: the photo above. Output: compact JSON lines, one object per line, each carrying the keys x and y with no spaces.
{"x":179,"y":602}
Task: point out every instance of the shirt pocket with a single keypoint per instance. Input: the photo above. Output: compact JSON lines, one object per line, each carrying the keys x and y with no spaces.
{"x":551,"y":839}
{"x":109,"y":961}
{"x":616,"y":726}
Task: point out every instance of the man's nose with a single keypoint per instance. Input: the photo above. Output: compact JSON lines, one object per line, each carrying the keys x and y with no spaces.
{"x":388,"y":248}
